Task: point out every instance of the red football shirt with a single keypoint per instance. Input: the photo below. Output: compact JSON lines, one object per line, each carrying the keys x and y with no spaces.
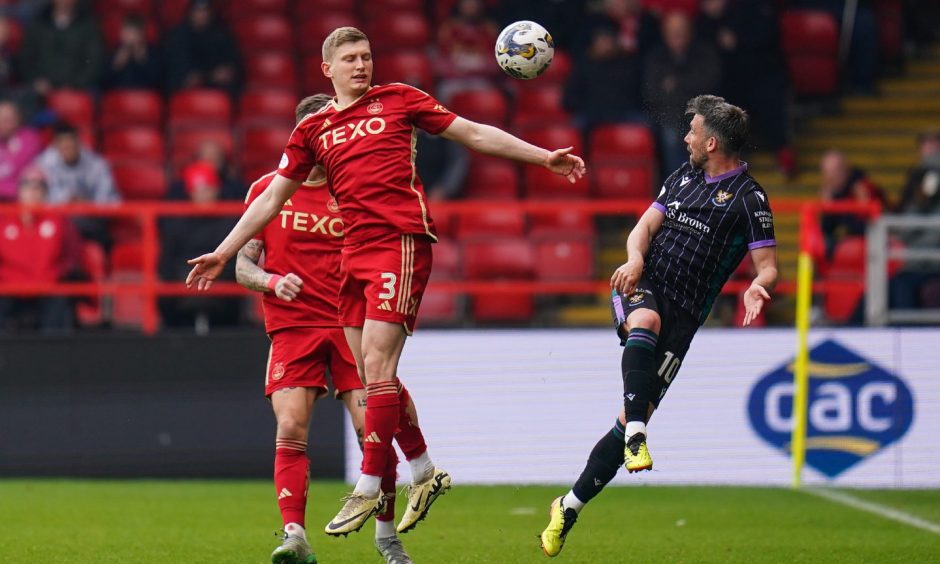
{"x":306,"y":238}
{"x":368,"y":152}
{"x":42,"y":251}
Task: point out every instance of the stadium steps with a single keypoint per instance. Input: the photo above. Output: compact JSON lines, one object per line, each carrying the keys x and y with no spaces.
{"x":878,"y":134}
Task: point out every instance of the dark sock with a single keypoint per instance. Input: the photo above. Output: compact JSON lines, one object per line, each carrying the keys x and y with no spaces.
{"x":638,"y":366}
{"x":602,"y":465}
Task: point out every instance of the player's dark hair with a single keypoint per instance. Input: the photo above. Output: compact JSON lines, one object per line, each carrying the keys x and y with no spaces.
{"x":726,"y":122}
{"x":64,"y":128}
{"x":311,"y":104}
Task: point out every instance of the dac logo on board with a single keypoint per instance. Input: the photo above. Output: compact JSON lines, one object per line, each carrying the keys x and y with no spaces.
{"x":855,"y":408}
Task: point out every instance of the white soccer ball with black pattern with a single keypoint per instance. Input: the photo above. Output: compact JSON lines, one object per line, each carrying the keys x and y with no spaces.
{"x":524,"y":50}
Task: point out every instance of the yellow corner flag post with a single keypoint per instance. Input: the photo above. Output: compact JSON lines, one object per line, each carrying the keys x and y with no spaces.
{"x":804,"y":301}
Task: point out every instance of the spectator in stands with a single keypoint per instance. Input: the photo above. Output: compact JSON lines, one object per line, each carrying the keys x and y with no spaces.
{"x":135,"y":63}
{"x":636,"y":30}
{"x":202,"y":52}
{"x":675,"y":72}
{"x":754,"y":74}
{"x":37,"y":248}
{"x":232,"y":187}
{"x":840,"y":181}
{"x":616,"y":98}
{"x":184,"y":237}
{"x":921,"y":197}
{"x":18,"y":147}
{"x":77,"y":174}
{"x":465,"y":47}
{"x":62,"y":48}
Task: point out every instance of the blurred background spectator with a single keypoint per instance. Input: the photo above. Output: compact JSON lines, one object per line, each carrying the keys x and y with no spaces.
{"x":182,"y":238}
{"x":37,"y":248}
{"x":62,"y":48}
{"x":202,"y":52}
{"x":840,"y":181}
{"x":672,"y":74}
{"x":617,"y":97}
{"x":231,"y":185}
{"x":135,"y":63}
{"x":635,"y":30}
{"x":19,"y":145}
{"x":921,"y":197}
{"x":442,"y":166}
{"x":465,"y":43}
{"x":745,"y":33}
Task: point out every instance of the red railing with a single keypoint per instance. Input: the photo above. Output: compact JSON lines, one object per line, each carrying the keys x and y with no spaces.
{"x":150,"y":287}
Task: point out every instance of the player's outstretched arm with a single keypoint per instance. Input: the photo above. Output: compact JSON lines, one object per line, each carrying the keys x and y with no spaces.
{"x":494,"y":141}
{"x":765,"y":262}
{"x":627,"y":275}
{"x":208,"y":267}
{"x":248,"y":273}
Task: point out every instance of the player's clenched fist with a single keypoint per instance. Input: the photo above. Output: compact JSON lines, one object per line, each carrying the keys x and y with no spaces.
{"x":286,"y":287}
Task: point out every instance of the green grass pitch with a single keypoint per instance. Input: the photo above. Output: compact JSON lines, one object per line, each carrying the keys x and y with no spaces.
{"x":89,"y":521}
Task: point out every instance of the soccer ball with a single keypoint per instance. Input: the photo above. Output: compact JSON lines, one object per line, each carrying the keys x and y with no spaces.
{"x":524,"y":50}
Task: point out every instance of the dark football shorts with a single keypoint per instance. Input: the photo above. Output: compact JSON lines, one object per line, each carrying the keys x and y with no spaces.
{"x":677,"y":327}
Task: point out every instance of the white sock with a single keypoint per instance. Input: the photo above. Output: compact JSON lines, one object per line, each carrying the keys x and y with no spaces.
{"x":421,"y":468}
{"x":571,"y":501}
{"x":384,"y":529}
{"x":369,"y":485}
{"x":295,"y":530}
{"x":634,"y":427}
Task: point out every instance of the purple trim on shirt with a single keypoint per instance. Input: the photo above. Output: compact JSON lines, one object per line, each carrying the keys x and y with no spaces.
{"x":729,"y":174}
{"x":659,"y":207}
{"x":759,"y":244}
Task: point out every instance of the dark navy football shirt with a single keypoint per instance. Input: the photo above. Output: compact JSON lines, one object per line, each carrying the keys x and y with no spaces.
{"x":710,"y":225}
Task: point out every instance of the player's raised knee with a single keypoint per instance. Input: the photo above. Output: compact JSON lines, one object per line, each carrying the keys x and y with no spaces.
{"x":643,"y":319}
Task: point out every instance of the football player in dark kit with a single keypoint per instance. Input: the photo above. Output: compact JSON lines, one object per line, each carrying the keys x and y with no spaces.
{"x":708,"y":215}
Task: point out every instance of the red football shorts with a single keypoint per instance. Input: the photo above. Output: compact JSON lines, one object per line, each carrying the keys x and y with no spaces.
{"x":384,"y":280}
{"x":300,"y":357}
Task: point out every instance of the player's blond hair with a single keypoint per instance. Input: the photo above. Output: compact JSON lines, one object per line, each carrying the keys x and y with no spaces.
{"x":311,"y":104}
{"x":339,"y":36}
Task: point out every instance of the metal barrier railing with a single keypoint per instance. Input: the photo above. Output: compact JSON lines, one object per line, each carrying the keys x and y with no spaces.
{"x":880,"y":252}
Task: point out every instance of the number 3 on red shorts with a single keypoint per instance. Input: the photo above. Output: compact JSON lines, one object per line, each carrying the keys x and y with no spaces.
{"x":389,"y":285}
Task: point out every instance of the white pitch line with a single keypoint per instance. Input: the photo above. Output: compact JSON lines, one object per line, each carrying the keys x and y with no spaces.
{"x":876,"y":508}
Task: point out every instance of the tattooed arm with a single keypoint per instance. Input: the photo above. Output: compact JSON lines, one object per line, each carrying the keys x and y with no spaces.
{"x":253,"y":277}
{"x":247,"y":271}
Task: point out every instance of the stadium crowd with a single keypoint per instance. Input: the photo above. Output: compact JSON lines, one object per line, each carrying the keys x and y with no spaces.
{"x":111,"y":100}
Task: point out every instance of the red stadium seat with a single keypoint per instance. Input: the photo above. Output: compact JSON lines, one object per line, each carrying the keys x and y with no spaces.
{"x":439,"y":307}
{"x":542,"y":183}
{"x":200,"y":108}
{"x":621,"y":142}
{"x":248,"y":9}
{"x":397,"y":31}
{"x":267,"y":106}
{"x":500,"y":307}
{"x":263,"y":145}
{"x":497,"y":258}
{"x":483,"y":105}
{"x":499,"y":222}
{"x":312,"y":29}
{"x":134,"y":144}
{"x":690,"y":7}
{"x":73,"y":106}
{"x":15,"y":39}
{"x":810,"y":40}
{"x":172,"y":12}
{"x":141,"y":181}
{"x":564,"y":258}
{"x":623,"y":181}
{"x":378,"y":8}
{"x":538,"y":106}
{"x":123,"y":108}
{"x":254,"y":171}
{"x":890,"y":17}
{"x":554,"y":137}
{"x":127,"y":310}
{"x":443,"y":8}
{"x":272,"y":70}
{"x":492,"y":179}
{"x":185,"y":143}
{"x":121,"y":7}
{"x":570,"y":222}
{"x":310,"y":9}
{"x":409,"y":67}
{"x":446,"y":260}
{"x":264,"y":33}
{"x":312,"y":76}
